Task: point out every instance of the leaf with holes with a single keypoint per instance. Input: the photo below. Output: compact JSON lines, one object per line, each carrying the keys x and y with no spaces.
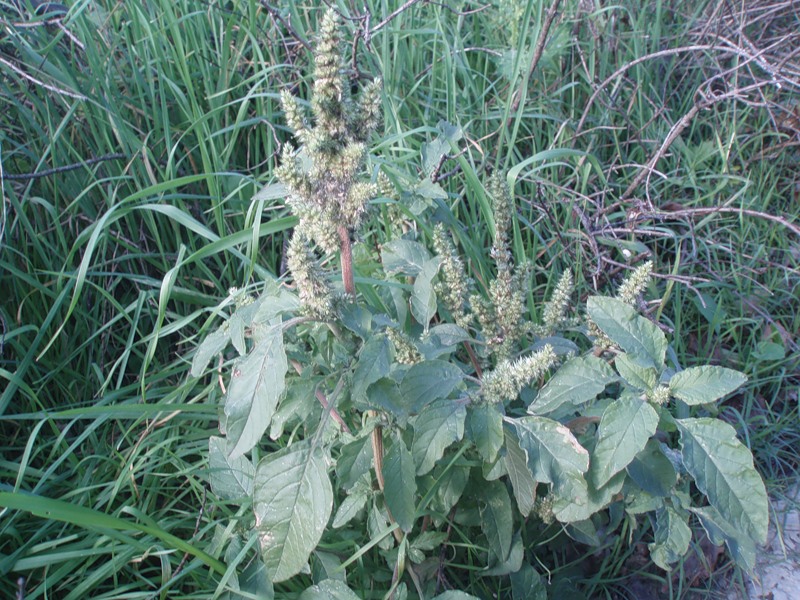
{"x":256,"y":386}
{"x":293,"y":500}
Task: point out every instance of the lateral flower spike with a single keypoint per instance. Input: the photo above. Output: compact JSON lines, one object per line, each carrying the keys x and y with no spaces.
{"x":555,"y":310}
{"x":508,"y":378}
{"x":634,"y":283}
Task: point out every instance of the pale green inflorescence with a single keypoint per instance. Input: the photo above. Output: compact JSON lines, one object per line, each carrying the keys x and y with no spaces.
{"x":508,"y":378}
{"x":500,"y":316}
{"x":453,"y":290}
{"x":555,"y":310}
{"x":634,"y":283}
{"x":659,"y":395}
{"x":406,"y":352}
{"x":322,"y":179}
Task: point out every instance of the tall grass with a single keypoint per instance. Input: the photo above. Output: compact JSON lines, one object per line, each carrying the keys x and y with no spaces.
{"x":135,"y":137}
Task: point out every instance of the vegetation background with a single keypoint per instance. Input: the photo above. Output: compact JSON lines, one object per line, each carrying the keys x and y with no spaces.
{"x":135,"y":140}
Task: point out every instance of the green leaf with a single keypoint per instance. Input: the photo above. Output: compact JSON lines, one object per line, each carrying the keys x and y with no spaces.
{"x":437,"y":426}
{"x":511,"y":564}
{"x":578,"y":381}
{"x":356,"y":499}
{"x":433,"y":151}
{"x":428,"y":381}
{"x":527,"y":584}
{"x":485,"y":426}
{"x":555,"y":456}
{"x":423,"y":297}
{"x":551,"y":448}
{"x":441,"y":339}
{"x":404,"y":256}
{"x":455,"y":595}
{"x":672,"y":537}
{"x":702,"y":385}
{"x":209,"y":348}
{"x":652,"y":471}
{"x":741,"y":547}
{"x":723,"y":470}
{"x":522,"y":481}
{"x":293,"y":500}
{"x":256,"y":385}
{"x":496,"y":519}
{"x":644,"y":342}
{"x":355,"y":459}
{"x":329,"y":589}
{"x":624,"y":429}
{"x":451,"y":485}
{"x":231,"y":479}
{"x":374,"y":362}
{"x":385,"y":395}
{"x":639,"y":377}
{"x":400,"y":485}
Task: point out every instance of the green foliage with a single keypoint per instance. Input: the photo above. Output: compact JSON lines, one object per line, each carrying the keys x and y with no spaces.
{"x":481,"y":423}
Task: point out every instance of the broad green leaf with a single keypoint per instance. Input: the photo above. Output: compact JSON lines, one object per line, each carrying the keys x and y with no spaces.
{"x":256,"y":386}
{"x":385,"y":395}
{"x":511,"y":564}
{"x":578,"y":381}
{"x":652,"y":471}
{"x":741,"y":546}
{"x":326,"y":565}
{"x":455,"y":595}
{"x":356,"y":500}
{"x":723,"y":470}
{"x":522,"y":481}
{"x":552,"y":450}
{"x":400,"y":484}
{"x":672,"y":537}
{"x":642,"y":378}
{"x":231,"y":479}
{"x":485,"y":427}
{"x":428,"y":381}
{"x":555,"y":456}
{"x":433,"y":151}
{"x":209,"y":348}
{"x":423,"y":297}
{"x":355,"y":459}
{"x":404,"y":256}
{"x":451,"y":484}
{"x":293,"y":500}
{"x":527,"y":584}
{"x":497,"y":522}
{"x":329,"y":589}
{"x":624,"y":429}
{"x":644,"y":342}
{"x":430,"y":191}
{"x":437,"y":426}
{"x":254,"y":580}
{"x":441,"y":339}
{"x":374,"y":362}
{"x":702,"y":385}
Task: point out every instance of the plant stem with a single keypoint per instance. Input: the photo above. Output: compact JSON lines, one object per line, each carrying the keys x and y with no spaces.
{"x":346,"y":252}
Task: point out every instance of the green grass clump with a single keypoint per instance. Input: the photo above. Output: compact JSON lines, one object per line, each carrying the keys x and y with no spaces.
{"x":136,"y":138}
